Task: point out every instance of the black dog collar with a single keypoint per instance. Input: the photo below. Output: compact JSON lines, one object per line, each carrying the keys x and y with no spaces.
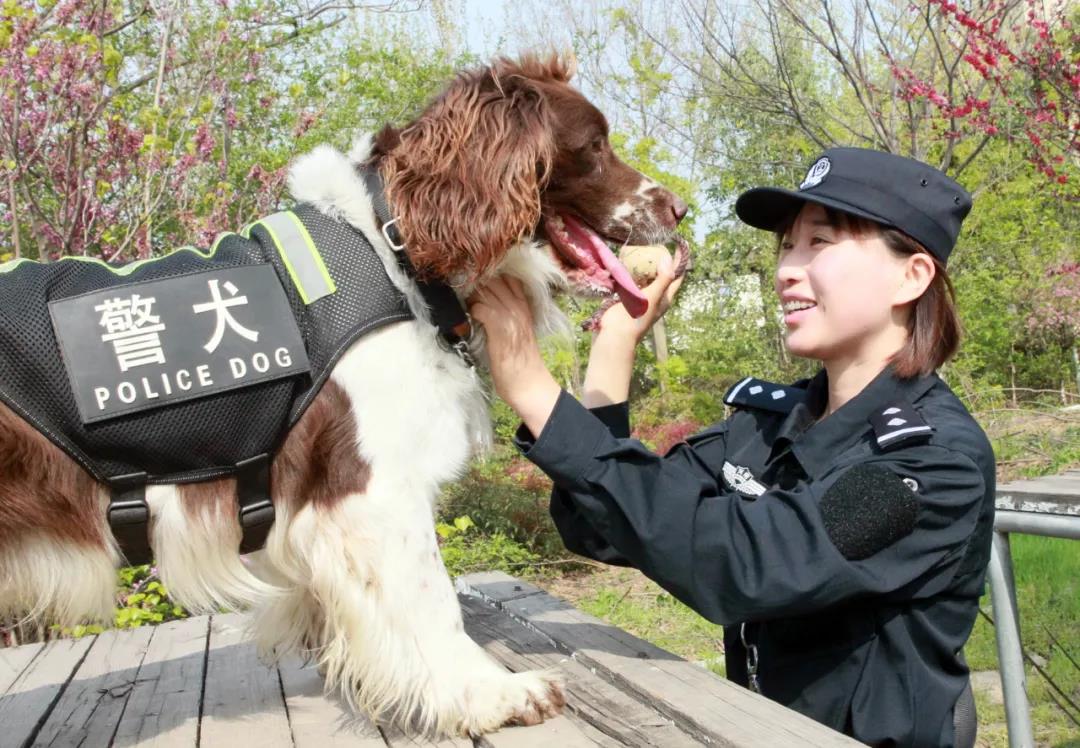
{"x":449,"y":316}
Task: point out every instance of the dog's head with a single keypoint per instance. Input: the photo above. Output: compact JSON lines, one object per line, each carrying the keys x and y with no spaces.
{"x":511,"y":152}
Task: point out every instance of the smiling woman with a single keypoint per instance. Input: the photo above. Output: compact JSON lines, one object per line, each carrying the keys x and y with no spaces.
{"x":862,"y":249}
{"x":839,"y":528}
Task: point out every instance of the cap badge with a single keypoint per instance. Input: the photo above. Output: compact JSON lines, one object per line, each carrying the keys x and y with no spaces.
{"x":816,"y":174}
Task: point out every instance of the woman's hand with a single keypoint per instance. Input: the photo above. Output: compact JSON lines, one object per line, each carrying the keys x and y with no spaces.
{"x":611,"y":360}
{"x":517,"y":368}
{"x":617,"y":325}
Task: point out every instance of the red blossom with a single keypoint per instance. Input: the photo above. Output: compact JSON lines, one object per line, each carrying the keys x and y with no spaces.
{"x":1030,"y":72}
{"x":84,"y":158}
{"x":1056,"y":312}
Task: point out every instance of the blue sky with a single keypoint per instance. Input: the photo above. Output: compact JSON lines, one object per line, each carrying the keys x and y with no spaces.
{"x":482,"y":18}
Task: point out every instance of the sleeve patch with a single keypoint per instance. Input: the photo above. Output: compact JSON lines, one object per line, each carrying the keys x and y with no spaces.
{"x":868,"y":509}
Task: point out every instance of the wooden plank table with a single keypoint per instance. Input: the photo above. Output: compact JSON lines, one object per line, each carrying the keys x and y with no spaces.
{"x":1049,"y":495}
{"x":196,"y":682}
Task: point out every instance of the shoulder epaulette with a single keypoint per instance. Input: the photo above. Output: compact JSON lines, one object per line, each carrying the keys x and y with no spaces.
{"x":897,"y":423}
{"x":757,"y":393}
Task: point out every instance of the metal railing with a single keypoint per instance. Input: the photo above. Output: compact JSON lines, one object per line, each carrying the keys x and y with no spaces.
{"x":1053,"y":514}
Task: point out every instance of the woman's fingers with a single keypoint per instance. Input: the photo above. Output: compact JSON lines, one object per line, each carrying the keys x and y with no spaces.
{"x":501,"y":303}
{"x":671,"y":290}
{"x":503,"y":291}
{"x":479,"y":311}
{"x":662,"y":289}
{"x":517,"y":288}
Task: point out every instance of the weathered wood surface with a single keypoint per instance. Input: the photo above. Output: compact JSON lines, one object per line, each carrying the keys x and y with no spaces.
{"x":33,"y":691}
{"x":198,"y":682}
{"x":163,"y":707}
{"x":90,"y":707}
{"x":706,"y":708}
{"x":1049,"y":494}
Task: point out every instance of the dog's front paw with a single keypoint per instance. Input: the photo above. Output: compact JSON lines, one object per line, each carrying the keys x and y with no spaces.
{"x":515,"y":699}
{"x":545,"y":699}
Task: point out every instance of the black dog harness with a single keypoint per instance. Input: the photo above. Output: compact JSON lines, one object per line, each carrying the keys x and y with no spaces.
{"x":191,"y":367}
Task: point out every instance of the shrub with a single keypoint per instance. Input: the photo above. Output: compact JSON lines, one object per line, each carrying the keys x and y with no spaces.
{"x":466,"y":550}
{"x":505,"y":495}
{"x":143,"y":599}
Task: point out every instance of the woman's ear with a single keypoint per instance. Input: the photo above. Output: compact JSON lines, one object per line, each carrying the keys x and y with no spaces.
{"x":918,"y":273}
{"x":465,"y":177}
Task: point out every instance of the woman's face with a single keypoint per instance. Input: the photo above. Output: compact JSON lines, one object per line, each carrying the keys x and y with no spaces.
{"x":838,"y":291}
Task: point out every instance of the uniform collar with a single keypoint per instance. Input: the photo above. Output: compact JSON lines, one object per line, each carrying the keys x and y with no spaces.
{"x":817,"y":444}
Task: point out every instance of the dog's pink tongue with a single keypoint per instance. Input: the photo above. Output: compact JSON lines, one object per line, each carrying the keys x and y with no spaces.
{"x":629,"y":294}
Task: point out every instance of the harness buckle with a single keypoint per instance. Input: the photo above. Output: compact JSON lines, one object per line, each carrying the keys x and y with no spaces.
{"x":128,"y":516}
{"x":397,"y":246}
{"x":257,"y":513}
{"x":128,"y":512}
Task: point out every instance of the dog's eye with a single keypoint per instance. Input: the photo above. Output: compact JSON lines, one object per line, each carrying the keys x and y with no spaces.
{"x":598,"y":144}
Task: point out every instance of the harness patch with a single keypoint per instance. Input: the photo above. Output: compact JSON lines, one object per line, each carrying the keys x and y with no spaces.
{"x":145,"y":345}
{"x":190,"y":379}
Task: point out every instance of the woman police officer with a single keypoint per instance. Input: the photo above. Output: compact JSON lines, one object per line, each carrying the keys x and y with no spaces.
{"x":839,"y":528}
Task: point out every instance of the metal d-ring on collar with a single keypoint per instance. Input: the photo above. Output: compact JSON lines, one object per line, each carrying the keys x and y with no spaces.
{"x":394,"y":245}
{"x":461,"y":348}
{"x":456,"y":330}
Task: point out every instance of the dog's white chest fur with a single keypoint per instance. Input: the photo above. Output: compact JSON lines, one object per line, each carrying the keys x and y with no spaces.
{"x":418,"y":409}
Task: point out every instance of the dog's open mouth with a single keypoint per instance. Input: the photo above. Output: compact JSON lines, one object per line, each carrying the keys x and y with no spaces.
{"x":594,"y":266}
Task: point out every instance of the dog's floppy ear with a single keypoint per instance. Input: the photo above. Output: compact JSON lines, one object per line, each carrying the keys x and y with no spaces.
{"x":465,"y":177}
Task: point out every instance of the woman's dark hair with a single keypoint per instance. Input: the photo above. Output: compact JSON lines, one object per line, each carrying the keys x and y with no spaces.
{"x":933,"y":326}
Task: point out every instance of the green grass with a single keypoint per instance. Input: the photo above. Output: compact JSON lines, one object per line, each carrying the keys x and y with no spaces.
{"x":1048,"y":594}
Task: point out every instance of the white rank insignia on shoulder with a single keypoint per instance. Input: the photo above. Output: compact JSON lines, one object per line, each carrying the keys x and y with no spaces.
{"x":740,"y":479}
{"x":762,"y":395}
{"x":816,"y":174}
{"x":899,"y":423}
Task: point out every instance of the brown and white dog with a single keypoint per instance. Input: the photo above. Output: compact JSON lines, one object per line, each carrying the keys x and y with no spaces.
{"x":351,"y":573}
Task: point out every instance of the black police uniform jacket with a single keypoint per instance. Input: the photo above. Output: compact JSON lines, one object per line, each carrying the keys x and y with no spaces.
{"x":857,"y":602}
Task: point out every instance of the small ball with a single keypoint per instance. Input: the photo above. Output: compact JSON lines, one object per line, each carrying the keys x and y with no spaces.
{"x":643,"y":261}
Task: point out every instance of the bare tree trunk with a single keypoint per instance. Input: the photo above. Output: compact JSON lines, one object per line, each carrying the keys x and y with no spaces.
{"x":162,"y":56}
{"x":771,"y":327}
{"x":659,"y":333}
{"x":17,"y":249}
{"x":1076,"y":365}
{"x":1012,"y":380}
{"x":445,"y":26}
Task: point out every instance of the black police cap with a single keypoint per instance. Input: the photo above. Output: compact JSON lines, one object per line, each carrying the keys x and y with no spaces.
{"x":892,"y":190}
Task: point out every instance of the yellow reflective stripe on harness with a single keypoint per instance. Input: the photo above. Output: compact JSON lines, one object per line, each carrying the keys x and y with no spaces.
{"x":298,"y":252}
{"x":12,"y":264}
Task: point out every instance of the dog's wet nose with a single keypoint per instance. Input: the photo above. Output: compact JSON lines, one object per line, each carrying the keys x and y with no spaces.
{"x":678,"y":208}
